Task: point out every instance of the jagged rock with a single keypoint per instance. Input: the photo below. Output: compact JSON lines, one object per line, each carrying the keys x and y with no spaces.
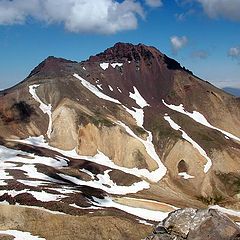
{"x":194,"y":224}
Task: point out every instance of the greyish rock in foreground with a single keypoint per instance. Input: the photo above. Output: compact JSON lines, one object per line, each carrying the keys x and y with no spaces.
{"x":194,"y":224}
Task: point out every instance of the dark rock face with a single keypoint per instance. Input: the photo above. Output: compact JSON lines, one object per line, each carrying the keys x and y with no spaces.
{"x":193,"y":224}
{"x":50,"y":65}
{"x":125,"y":51}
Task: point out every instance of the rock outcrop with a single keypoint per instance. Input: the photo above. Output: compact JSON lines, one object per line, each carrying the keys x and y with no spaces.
{"x":194,"y":224}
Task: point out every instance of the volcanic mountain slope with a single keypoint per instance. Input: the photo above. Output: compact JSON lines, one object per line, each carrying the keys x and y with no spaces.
{"x":126,"y":136}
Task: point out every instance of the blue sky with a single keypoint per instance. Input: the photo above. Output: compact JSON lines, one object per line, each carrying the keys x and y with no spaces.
{"x":202,"y":35}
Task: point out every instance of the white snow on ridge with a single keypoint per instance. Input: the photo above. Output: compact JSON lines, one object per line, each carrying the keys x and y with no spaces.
{"x":185,"y":175}
{"x":19,"y":235}
{"x":138,"y":98}
{"x":116,"y":64}
{"x":198,"y":117}
{"x":139,"y":212}
{"x":119,"y":89}
{"x":104,"y":66}
{"x":226,"y":210}
{"x":41,"y":196}
{"x":110,"y":87}
{"x":33,"y":183}
{"x":137,"y":114}
{"x":85,"y":208}
{"x":100,"y":86}
{"x":106,"y":184}
{"x":95,"y":90}
{"x":44,"y":107}
{"x":195,"y":145}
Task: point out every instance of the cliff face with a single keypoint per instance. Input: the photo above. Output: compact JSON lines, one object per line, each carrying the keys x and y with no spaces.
{"x":127,"y":127}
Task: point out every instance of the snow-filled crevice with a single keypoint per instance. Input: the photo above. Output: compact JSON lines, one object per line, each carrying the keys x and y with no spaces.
{"x":190,"y":140}
{"x":47,"y":109}
{"x":198,"y":117}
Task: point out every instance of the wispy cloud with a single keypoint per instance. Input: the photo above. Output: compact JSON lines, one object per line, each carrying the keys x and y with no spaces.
{"x":234,"y":53}
{"x":200,"y":54}
{"x":184,"y":15}
{"x":228,"y":9}
{"x":154,"y":3}
{"x":178,"y":43}
{"x":101,"y":16}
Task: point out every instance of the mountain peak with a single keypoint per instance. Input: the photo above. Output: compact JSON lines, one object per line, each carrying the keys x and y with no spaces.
{"x":127,"y":51}
{"x":51,"y":63}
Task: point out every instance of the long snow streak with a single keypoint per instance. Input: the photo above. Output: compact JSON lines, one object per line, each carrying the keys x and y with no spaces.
{"x":139,"y":212}
{"x":198,"y":117}
{"x":195,"y":145}
{"x":95,"y":90}
{"x":159,"y":173}
{"x":44,"y":107}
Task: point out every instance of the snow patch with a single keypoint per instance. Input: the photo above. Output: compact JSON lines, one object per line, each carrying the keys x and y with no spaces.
{"x":19,"y":235}
{"x":187,"y":138}
{"x":110,"y":87}
{"x":85,"y":208}
{"x":119,"y":89}
{"x":139,"y":212}
{"x":138,"y":98}
{"x":116,"y":64}
{"x":100,"y":86}
{"x":185,"y":175}
{"x":41,"y":196}
{"x":104,"y":66}
{"x":137,"y":114}
{"x":226,"y":210}
{"x":106,"y":184}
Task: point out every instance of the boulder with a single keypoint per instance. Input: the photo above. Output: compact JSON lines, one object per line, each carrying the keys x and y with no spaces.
{"x":195,"y":224}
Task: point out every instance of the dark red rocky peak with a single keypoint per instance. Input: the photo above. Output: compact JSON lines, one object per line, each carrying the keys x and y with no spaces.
{"x":50,"y":65}
{"x":127,"y":52}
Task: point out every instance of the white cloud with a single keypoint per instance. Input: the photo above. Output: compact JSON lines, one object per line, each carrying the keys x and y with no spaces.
{"x":222,"y":8}
{"x":101,"y":16}
{"x":154,"y":3}
{"x":234,"y":52}
{"x":178,"y":43}
{"x":201,"y":54}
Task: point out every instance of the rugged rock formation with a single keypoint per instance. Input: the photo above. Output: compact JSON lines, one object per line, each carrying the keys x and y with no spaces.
{"x":193,"y":224}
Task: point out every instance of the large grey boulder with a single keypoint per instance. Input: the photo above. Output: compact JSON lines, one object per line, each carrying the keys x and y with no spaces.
{"x":194,"y":224}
